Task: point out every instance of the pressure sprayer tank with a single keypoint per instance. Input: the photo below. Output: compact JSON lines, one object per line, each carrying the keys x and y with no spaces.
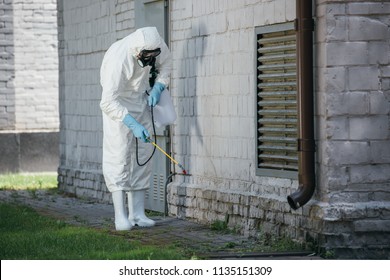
{"x":164,"y":112}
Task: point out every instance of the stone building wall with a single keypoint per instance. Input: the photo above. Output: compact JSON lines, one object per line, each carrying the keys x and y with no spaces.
{"x":353,"y":106}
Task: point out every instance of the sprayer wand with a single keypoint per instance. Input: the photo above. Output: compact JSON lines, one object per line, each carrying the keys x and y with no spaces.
{"x":168,"y":156}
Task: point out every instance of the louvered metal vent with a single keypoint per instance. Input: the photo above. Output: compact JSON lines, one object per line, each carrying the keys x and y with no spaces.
{"x":277,"y":101}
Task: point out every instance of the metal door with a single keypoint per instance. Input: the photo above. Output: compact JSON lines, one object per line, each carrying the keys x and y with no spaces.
{"x":154,"y":13}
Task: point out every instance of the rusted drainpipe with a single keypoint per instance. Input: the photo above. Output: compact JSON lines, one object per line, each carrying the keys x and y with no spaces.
{"x":306,"y":146}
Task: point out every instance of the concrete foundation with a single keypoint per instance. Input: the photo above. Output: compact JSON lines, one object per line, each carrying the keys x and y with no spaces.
{"x":29,"y":152}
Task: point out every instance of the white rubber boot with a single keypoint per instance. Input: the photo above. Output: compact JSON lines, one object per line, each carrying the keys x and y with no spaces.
{"x":121,"y":221}
{"x":137,"y":209}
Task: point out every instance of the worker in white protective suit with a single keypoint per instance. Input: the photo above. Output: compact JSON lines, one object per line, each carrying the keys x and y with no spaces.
{"x":126,"y":115}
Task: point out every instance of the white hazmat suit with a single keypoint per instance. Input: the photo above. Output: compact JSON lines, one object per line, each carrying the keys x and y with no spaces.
{"x":124,"y":83}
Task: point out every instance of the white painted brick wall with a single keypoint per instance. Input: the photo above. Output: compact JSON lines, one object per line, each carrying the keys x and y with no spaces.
{"x":7,"y":75}
{"x":86,"y":31}
{"x":213,"y":41}
{"x":35,"y":65}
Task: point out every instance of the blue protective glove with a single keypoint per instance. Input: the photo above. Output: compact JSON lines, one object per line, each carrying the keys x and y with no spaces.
{"x":154,"y":94}
{"x":139,"y":130}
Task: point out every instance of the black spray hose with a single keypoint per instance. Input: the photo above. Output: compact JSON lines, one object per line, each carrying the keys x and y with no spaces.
{"x":156,"y":146}
{"x":155,"y":140}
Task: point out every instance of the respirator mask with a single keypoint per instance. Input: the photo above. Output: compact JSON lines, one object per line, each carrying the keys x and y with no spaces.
{"x":147,"y":57}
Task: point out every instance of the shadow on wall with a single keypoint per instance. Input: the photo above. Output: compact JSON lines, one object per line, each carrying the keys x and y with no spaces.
{"x":188,"y":100}
{"x":29,"y":152}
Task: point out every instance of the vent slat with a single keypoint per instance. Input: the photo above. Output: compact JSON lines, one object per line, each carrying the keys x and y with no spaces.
{"x":274,"y":49}
{"x":276,"y":85}
{"x":287,"y":158}
{"x":286,"y":66}
{"x":277,"y":139}
{"x":277,"y":57}
{"x":278,"y":148}
{"x":277,"y":103}
{"x":293,"y":167}
{"x":277,"y":93}
{"x":277,"y":75}
{"x":278,"y":39}
{"x":277,"y":112}
{"x":278,"y":130}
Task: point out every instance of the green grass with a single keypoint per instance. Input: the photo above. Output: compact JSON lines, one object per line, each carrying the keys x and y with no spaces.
{"x":23,"y":181}
{"x":24,"y":234}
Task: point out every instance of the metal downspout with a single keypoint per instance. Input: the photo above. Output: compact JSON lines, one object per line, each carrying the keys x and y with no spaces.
{"x":306,"y":144}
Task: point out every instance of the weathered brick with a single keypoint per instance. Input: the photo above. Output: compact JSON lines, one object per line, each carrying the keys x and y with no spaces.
{"x":369,"y":174}
{"x":372,"y":225}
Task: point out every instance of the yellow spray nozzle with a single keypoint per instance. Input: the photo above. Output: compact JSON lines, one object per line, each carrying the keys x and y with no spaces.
{"x":166,"y":154}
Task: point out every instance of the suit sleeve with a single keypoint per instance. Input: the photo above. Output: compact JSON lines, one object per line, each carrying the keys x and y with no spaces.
{"x":112,"y":76}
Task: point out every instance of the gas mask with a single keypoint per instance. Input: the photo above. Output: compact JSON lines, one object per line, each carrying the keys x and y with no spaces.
{"x":147,"y":57}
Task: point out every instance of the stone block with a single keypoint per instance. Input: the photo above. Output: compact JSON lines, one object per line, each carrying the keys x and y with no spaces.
{"x":380,"y":152}
{"x":346,"y":53}
{"x":367,"y":29}
{"x":370,"y":174}
{"x":349,"y":103}
{"x":369,"y":8}
{"x":347,"y":152}
{"x":369,"y":128}
{"x":378,"y":52}
{"x":332,"y":79}
{"x":337,"y":128}
{"x":336,"y":28}
{"x":363,"y":78}
{"x":379,"y":103}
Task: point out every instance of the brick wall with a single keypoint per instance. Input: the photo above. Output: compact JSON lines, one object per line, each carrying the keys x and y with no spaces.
{"x":29,"y":83}
{"x":7,"y":75}
{"x":86,"y":31}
